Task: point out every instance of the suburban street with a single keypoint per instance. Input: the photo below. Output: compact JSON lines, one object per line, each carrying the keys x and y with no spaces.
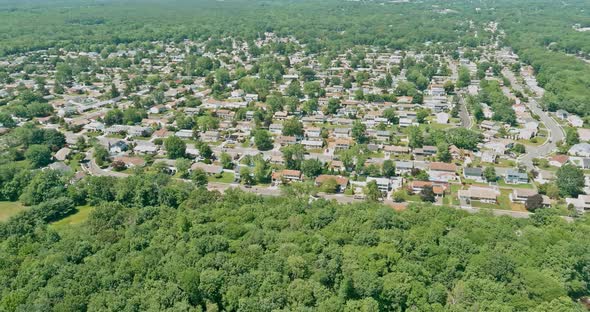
{"x":466,"y":121}
{"x":555,"y":131}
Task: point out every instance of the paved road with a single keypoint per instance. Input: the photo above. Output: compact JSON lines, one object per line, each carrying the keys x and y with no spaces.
{"x":466,"y":121}
{"x":555,"y":130}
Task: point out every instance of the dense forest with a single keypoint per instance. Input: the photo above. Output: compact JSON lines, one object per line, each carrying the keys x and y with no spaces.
{"x":152,"y":244}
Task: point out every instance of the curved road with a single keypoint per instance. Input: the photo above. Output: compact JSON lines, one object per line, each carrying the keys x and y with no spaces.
{"x":555,"y":130}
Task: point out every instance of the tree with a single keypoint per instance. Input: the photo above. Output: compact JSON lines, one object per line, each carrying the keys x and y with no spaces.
{"x":358,"y":132}
{"x":489,"y":174}
{"x":293,"y":156}
{"x":226,"y":161}
{"x":100,"y":155}
{"x":113,"y":93}
{"x":311,"y":168}
{"x":463,"y":138}
{"x":388,"y":168}
{"x":330,"y":186}
{"x":45,"y":185}
{"x":294,"y":89}
{"x":534,"y":202}
{"x":415,"y":138}
{"x":38,"y":155}
{"x":293,"y":127}
{"x":372,"y":191}
{"x":570,"y":180}
{"x":182,"y":167}
{"x":175,"y":147}
{"x":263,"y":140}
{"x":261,"y":171}
{"x":400,"y":196}
{"x":519,"y":148}
{"x":464,"y":77}
{"x":246,"y":176}
{"x":449,"y":86}
{"x":427,"y":194}
{"x":333,"y":106}
{"x":443,"y":154}
{"x":422,"y":114}
{"x":390,"y":115}
{"x":199,"y":177}
{"x":572,"y":137}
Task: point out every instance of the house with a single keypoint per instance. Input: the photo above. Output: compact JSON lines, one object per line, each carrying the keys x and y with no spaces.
{"x":340,"y":180}
{"x":580,"y":149}
{"x":210,"y":136}
{"x":62,"y":154}
{"x":403,"y":167}
{"x":520,"y":195}
{"x":575,"y":121}
{"x":438,"y":188}
{"x":118,"y":147}
{"x":341,"y":144}
{"x":489,"y":156}
{"x":442,"y":118}
{"x":313,"y":133}
{"x":184,"y":134}
{"x":342,"y":132}
{"x":131,"y":162}
{"x":480,"y":194}
{"x":285,"y":140}
{"x":312,"y":144}
{"x":442,"y":172}
{"x":145,"y":148}
{"x":582,"y":203}
{"x":558,"y":160}
{"x":337,"y":165}
{"x":275,"y":128}
{"x":561,"y":114}
{"x":207,"y":168}
{"x":286,"y":175}
{"x":473,"y":173}
{"x":59,"y":166}
{"x":515,"y":177}
{"x":383,"y":184}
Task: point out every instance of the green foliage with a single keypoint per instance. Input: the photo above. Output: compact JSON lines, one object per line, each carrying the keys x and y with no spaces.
{"x":570,"y":180}
{"x":175,"y":147}
{"x":263,"y":140}
{"x":38,"y":155}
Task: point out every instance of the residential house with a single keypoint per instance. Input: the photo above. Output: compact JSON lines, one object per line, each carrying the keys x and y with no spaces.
{"x":513,"y":176}
{"x":558,"y":160}
{"x":383,"y":184}
{"x":340,"y":180}
{"x":131,"y":162}
{"x":207,"y":168}
{"x":473,"y":173}
{"x":443,"y":172}
{"x":520,"y":195}
{"x":403,"y":167}
{"x":479,"y":194}
{"x":580,"y":149}
{"x":286,"y":175}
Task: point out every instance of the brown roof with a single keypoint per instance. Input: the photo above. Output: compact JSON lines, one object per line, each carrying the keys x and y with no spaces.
{"x":441,"y":166}
{"x":342,"y":181}
{"x":135,"y":161}
{"x":562,"y":159}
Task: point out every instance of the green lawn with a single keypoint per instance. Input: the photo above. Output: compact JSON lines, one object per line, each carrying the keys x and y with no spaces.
{"x":76,"y":218}
{"x":501,"y":183}
{"x":226,"y":177}
{"x":9,"y":209}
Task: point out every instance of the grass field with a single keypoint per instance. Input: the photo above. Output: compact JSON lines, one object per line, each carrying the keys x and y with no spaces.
{"x":226,"y":177}
{"x":9,"y":209}
{"x":77,"y":218}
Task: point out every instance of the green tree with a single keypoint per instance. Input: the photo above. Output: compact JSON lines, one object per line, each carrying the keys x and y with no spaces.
{"x":427,"y":194}
{"x":311,"y":168}
{"x":293,"y":156}
{"x":263,"y":140}
{"x":415,"y":138}
{"x":372,"y":191}
{"x":38,"y":155}
{"x":293,"y":127}
{"x":175,"y":147}
{"x":572,"y":137}
{"x":489,"y":174}
{"x":388,"y":168}
{"x":570,"y":180}
{"x":199,"y":177}
{"x":358,"y":132}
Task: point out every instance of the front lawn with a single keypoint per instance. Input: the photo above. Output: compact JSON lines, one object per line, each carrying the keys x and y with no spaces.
{"x":226,"y":177}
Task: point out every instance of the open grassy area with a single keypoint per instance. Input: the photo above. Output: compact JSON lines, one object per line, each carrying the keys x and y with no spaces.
{"x":226,"y":177}
{"x":77,"y":218}
{"x":9,"y":209}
